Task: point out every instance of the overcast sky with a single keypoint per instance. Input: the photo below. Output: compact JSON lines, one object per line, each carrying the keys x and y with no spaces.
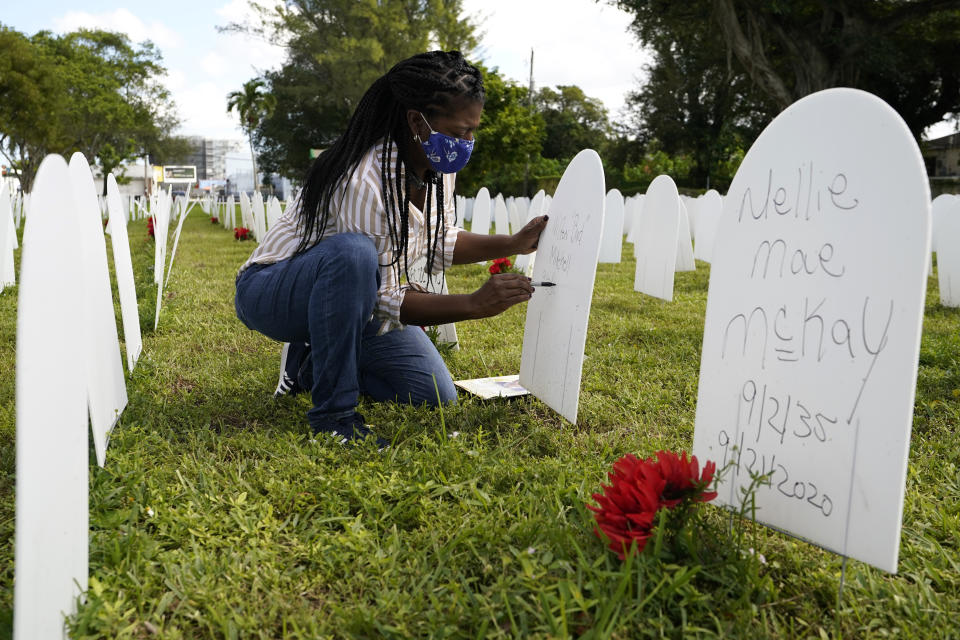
{"x":580,"y":42}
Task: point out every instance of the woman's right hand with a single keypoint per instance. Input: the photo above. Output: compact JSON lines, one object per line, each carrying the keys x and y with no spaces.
{"x":499,"y":293}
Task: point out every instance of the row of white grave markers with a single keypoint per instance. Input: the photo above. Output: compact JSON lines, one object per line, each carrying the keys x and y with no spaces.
{"x":658,"y":256}
{"x":64,"y":266}
{"x":256,"y":215}
{"x":508,"y":214}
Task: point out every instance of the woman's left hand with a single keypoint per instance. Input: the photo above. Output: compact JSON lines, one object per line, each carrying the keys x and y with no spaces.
{"x":527,"y":239}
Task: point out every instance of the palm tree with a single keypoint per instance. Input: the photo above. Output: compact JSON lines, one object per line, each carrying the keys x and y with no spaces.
{"x":252,"y":105}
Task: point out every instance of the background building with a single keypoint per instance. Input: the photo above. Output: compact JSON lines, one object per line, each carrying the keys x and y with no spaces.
{"x":942,"y":159}
{"x":210,"y":156}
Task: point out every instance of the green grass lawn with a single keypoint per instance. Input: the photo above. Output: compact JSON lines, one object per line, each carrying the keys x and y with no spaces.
{"x":473,"y":524}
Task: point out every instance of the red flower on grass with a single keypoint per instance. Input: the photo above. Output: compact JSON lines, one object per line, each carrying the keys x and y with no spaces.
{"x":214,"y":219}
{"x":683,"y":479}
{"x":150,"y":226}
{"x":241,"y":233}
{"x":627,"y":508}
{"x":501,"y":265}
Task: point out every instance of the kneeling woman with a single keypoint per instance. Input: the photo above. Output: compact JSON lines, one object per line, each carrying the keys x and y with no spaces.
{"x":326,"y":279}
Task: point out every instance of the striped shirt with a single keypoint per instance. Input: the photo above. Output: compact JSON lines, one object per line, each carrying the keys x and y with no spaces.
{"x":361,"y":209}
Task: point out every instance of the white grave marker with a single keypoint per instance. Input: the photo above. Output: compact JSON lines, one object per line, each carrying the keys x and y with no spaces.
{"x":691,"y":205}
{"x":611,"y":243}
{"x":106,"y":388}
{"x":246,"y":217}
{"x":628,"y":214}
{"x":556,"y":328}
{"x":123,"y":266}
{"x":941,"y":206}
{"x":161,"y":227}
{"x":813,"y":324}
{"x":52,"y":520}
{"x":273,"y":212}
{"x":515,"y":215}
{"x":8,"y":240}
{"x":709,"y":208}
{"x":526,"y":261}
{"x":259,"y":216}
{"x":656,"y":246}
{"x":946,"y":240}
{"x":481,"y":212}
{"x":500,"y":216}
{"x":230,"y":219}
{"x":685,"y":261}
{"x":634,"y":234}
{"x":417,"y":274}
{"x":176,"y":241}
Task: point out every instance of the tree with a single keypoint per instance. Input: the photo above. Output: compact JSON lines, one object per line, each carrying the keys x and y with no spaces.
{"x":692,"y":107}
{"x":114,"y":104}
{"x":26,"y":126}
{"x":87,"y":91}
{"x":252,"y":105}
{"x":510,"y":132}
{"x":572,"y":121}
{"x":335,"y":50}
{"x":903,"y":51}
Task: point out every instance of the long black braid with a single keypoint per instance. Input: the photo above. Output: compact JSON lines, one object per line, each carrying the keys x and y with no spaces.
{"x":427,"y":82}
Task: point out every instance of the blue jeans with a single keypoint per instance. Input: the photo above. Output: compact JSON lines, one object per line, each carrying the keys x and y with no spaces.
{"x":326,"y":296}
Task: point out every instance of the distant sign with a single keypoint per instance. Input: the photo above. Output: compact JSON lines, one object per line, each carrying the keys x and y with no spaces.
{"x":185,"y":174}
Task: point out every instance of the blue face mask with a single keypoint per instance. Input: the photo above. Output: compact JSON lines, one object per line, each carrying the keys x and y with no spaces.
{"x":446,"y":153}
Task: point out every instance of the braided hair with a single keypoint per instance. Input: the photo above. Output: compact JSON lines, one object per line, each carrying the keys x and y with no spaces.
{"x":428,"y":82}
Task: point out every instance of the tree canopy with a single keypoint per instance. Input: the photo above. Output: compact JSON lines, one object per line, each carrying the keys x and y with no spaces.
{"x":335,"y":50}
{"x":904,"y":51}
{"x":90,"y":91}
{"x":573,"y":121}
{"x":252,"y":105}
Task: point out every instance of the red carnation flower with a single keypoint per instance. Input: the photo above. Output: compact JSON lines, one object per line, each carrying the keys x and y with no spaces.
{"x":628,"y":506}
{"x":683,"y":479}
{"x":150,"y":226}
{"x":214,"y":220}
{"x":627,"y":509}
{"x":501,"y":265}
{"x":241,"y":233}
